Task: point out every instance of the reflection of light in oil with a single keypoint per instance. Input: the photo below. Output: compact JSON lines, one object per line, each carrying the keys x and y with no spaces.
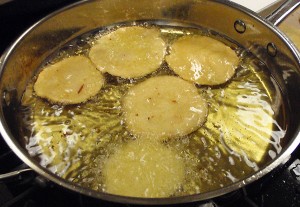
{"x":256,"y":114}
{"x":243,"y":119}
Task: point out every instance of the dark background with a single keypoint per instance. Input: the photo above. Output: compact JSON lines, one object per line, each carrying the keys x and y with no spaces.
{"x":18,"y":15}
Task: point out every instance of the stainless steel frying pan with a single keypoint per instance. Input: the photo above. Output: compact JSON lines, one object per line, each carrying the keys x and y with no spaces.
{"x":259,"y":35}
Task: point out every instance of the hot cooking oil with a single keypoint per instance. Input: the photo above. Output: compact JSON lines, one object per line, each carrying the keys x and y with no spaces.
{"x":243,"y":131}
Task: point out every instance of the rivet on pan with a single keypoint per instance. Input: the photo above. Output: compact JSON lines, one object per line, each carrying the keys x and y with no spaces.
{"x":6,"y":97}
{"x":272,"y":49}
{"x":9,"y":96}
{"x":240,"y":26}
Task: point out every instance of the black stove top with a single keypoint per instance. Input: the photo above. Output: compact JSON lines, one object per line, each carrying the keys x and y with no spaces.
{"x":279,"y":188}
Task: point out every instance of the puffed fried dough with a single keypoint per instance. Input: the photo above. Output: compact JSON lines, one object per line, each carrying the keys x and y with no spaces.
{"x":164,"y":107}
{"x":71,"y":81}
{"x":202,"y":60}
{"x":129,"y":52}
{"x":143,"y":169}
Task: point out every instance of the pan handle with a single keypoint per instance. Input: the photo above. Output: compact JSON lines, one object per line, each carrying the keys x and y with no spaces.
{"x":277,"y":12}
{"x":14,"y":173}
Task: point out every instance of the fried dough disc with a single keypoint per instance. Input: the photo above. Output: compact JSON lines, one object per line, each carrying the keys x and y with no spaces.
{"x":70,"y":81}
{"x":129,"y":52}
{"x":202,"y":60}
{"x":163,"y":107}
{"x":143,"y":169}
